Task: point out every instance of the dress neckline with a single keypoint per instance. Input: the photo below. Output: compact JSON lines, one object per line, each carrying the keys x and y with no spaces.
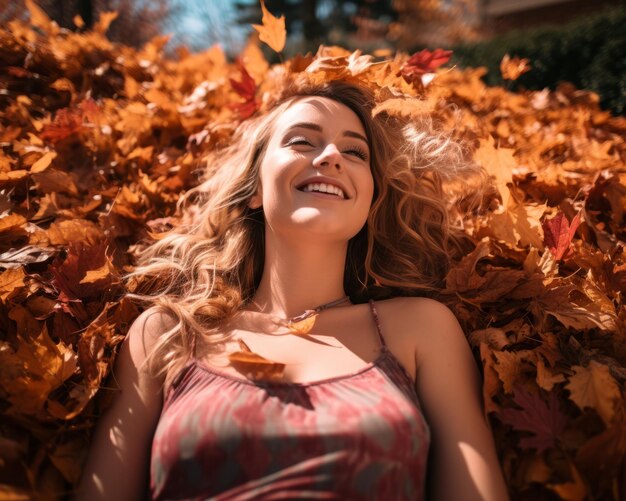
{"x":384,"y":353}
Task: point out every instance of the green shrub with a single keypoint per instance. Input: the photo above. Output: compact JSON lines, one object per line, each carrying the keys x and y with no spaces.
{"x":590,"y":53}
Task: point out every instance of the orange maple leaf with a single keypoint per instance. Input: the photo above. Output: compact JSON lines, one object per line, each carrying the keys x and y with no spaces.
{"x":272,"y":31}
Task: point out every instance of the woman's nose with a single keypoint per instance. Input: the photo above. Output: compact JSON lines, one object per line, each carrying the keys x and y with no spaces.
{"x":330,"y":156}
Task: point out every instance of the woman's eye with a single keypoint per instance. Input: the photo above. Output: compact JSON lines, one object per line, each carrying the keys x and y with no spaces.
{"x":359,"y":153}
{"x":299,"y":140}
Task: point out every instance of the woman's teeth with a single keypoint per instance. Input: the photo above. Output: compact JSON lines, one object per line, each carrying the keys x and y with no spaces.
{"x":324,"y":188}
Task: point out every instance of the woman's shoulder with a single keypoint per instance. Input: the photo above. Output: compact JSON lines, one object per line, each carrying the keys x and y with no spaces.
{"x":146,"y":330}
{"x":414,"y":324}
{"x":410,"y":309}
{"x":151,"y":323}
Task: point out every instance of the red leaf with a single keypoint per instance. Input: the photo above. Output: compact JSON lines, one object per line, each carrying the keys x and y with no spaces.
{"x":558,"y":233}
{"x":544,"y":420}
{"x":424,"y":62}
{"x":246,"y":89}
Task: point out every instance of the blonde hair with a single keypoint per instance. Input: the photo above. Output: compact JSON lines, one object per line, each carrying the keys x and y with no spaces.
{"x":206,"y":269}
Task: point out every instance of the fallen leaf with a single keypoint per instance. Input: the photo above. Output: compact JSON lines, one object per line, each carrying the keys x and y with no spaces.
{"x":558,"y":233}
{"x":593,"y":386}
{"x":253,"y":366}
{"x":543,"y":419}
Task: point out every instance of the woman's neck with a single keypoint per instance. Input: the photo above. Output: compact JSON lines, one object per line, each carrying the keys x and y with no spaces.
{"x":300,"y":276}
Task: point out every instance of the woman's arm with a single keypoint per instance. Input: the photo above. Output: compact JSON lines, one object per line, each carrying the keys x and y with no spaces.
{"x":463,"y":461}
{"x":117,"y":465}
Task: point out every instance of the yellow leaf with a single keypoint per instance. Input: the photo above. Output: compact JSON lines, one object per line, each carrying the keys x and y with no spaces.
{"x":593,"y":386}
{"x":272,"y":31}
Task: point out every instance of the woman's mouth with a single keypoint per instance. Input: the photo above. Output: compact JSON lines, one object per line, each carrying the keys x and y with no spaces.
{"x":323,"y":190}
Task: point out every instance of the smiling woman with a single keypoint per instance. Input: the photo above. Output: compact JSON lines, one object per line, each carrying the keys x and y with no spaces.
{"x":312,"y":244}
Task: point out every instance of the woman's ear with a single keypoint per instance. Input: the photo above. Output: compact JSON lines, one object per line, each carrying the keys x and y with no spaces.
{"x":257,"y":199}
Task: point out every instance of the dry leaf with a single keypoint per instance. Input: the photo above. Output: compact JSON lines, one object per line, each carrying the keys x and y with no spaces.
{"x":272,"y":31}
{"x":594,"y":387}
{"x":513,"y":67}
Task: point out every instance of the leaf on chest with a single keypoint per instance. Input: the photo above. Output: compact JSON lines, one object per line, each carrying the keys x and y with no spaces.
{"x":255,"y":366}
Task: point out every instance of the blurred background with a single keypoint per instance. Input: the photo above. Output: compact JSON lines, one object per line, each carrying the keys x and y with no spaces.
{"x":577,"y":41}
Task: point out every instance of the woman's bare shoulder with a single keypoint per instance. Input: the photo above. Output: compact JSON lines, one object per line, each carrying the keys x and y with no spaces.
{"x":146,"y":329}
{"x":414,"y":322}
{"x":408,"y":310}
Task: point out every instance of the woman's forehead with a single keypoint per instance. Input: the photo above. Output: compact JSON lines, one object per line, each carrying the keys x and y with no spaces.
{"x":317,"y":109}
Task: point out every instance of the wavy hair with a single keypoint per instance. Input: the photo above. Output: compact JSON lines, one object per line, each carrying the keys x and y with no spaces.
{"x":206,"y":269}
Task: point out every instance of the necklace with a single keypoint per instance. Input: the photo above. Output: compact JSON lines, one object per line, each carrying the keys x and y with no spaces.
{"x":303,"y":323}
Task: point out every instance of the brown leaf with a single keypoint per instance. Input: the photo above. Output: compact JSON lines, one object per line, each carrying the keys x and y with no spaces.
{"x":570,"y":491}
{"x":28,"y":375}
{"x":11,"y":281}
{"x":491,"y":381}
{"x":509,"y":369}
{"x":499,"y":163}
{"x":74,"y":230}
{"x":546,"y":379}
{"x":55,"y":181}
{"x":593,"y":386}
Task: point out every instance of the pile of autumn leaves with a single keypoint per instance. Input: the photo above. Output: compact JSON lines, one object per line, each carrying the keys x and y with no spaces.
{"x":99,"y":141}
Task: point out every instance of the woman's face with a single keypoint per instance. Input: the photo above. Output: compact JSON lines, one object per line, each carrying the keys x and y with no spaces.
{"x":315,"y":175}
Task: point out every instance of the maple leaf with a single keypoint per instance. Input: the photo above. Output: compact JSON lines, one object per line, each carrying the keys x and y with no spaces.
{"x":499,"y":163}
{"x":423,"y":62}
{"x":66,"y":122}
{"x":543,"y":419}
{"x":558,"y":233}
{"x":85,"y":273}
{"x":272,"y":31}
{"x":246,"y":89}
{"x":513,"y":68}
{"x":594,"y":387}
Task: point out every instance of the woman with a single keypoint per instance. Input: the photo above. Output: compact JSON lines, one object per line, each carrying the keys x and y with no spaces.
{"x":316,"y":205}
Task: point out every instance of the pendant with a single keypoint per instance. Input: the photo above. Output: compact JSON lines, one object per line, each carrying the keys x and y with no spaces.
{"x":302,"y":324}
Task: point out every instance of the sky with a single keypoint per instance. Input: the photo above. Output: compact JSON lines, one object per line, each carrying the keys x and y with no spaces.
{"x":199,"y":24}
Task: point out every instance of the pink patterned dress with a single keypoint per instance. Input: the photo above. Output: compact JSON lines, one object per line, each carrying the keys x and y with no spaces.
{"x":361,"y":436}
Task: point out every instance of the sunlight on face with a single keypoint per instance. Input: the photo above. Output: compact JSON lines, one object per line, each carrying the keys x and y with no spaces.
{"x":315,"y":177}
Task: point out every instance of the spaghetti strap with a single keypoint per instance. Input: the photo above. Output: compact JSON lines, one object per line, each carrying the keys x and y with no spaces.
{"x":377,"y":322}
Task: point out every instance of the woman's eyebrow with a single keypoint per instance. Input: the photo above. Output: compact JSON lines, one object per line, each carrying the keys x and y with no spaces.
{"x":313,"y":126}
